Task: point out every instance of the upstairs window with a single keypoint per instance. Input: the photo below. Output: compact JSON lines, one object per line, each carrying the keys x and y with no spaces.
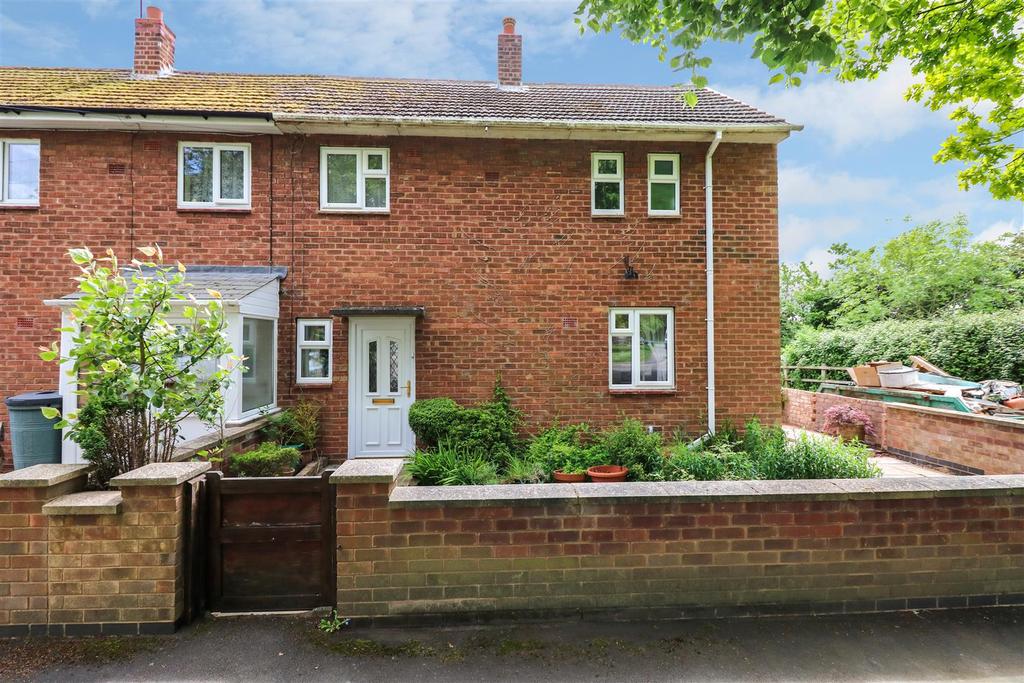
{"x":314,"y":351}
{"x":663,"y":184}
{"x":606,"y":186}
{"x":640,"y":344}
{"x":353,"y":179}
{"x":19,"y":172}
{"x":213,"y":175}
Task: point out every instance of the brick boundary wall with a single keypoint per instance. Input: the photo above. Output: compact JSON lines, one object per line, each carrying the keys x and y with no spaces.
{"x":676,"y":549}
{"x":91,"y":563}
{"x":963,"y":443}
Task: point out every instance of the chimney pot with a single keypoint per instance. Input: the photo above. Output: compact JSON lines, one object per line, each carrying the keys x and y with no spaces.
{"x":510,"y":54}
{"x":154,"y":45}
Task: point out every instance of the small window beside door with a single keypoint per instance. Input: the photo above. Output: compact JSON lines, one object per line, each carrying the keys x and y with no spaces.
{"x":355,"y":179}
{"x":313,"y":352}
{"x":213,"y":175}
{"x":640,"y":348}
{"x":19,"y":172}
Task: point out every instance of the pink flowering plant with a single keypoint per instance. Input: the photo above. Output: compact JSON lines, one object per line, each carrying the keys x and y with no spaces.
{"x":843,"y":415}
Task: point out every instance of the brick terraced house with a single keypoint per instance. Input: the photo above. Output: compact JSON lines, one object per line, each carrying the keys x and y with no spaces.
{"x":608,"y":250}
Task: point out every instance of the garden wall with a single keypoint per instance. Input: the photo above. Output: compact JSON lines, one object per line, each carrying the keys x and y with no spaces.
{"x":963,"y":443}
{"x":677,"y":549}
{"x":86,"y":563}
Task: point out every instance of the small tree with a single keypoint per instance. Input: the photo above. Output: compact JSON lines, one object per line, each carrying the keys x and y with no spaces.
{"x":143,"y":364}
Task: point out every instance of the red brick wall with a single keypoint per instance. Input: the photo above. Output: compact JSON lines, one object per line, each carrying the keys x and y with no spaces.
{"x":497,"y":263}
{"x":677,"y":555}
{"x":968,"y":443}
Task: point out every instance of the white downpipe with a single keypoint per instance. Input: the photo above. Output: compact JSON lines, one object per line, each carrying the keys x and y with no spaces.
{"x":709,"y":257}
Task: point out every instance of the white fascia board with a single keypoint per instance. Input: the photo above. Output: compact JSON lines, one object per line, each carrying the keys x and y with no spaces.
{"x":527,"y":128}
{"x":229,"y":305}
{"x":58,"y":120}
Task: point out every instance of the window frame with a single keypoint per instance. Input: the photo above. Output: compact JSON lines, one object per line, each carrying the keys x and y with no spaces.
{"x":596,"y":177}
{"x":301,"y":344}
{"x":269,"y":407}
{"x":362,"y":173}
{"x":217,"y":202}
{"x":652,"y":179}
{"x":634,"y":333}
{"x":5,"y":144}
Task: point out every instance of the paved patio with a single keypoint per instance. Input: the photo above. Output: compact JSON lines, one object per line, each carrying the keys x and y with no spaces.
{"x":890,"y":466}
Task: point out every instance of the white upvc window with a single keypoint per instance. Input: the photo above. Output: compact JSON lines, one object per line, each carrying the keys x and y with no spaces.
{"x":313,"y":354}
{"x":663,"y":184}
{"x":355,"y":179}
{"x":214,"y":175}
{"x":607,"y":196}
{"x":640,"y":348}
{"x":259,"y":375}
{"x":19,"y":172}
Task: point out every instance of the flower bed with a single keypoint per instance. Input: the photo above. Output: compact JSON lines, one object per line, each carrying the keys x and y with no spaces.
{"x":479,"y":445}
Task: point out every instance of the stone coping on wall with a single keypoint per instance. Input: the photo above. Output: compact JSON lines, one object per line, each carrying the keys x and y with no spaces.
{"x":368,"y":471}
{"x":161,"y":474}
{"x":941,"y":412}
{"x":701,"y":491}
{"x":85,"y":503}
{"x":39,"y":476}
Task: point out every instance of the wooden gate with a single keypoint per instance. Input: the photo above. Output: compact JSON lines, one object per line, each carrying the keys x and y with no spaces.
{"x":271,"y":543}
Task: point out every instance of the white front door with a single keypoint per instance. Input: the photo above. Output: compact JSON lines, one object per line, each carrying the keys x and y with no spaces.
{"x":382,"y":385}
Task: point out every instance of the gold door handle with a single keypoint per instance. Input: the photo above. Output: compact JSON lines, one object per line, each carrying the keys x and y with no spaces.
{"x":408,"y":388}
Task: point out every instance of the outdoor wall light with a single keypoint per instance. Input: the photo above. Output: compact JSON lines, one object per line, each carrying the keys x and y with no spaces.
{"x":630,"y":272}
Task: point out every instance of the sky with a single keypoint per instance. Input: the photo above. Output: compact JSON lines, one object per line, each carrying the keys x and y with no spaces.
{"x":860,"y":172}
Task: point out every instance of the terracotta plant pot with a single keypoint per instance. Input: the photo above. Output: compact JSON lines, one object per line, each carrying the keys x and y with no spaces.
{"x":850,"y":432}
{"x":1015,"y":403}
{"x":608,"y":473}
{"x":569,"y":478}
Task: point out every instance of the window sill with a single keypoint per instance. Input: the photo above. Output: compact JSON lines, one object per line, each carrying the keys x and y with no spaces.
{"x":358,"y":212}
{"x":640,"y":391}
{"x":19,"y":207}
{"x":664,"y":215}
{"x":312,"y":385}
{"x":214,"y":209}
{"x":249,"y":418}
{"x":607,"y":215}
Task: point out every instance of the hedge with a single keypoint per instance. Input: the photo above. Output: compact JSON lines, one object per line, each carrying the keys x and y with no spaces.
{"x":975,"y":346}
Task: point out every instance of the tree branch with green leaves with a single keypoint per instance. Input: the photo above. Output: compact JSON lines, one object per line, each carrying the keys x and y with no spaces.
{"x":967,"y":56}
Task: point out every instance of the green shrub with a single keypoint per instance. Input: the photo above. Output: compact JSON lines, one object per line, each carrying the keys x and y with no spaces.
{"x":540,"y":447}
{"x":523,"y":470}
{"x":713,"y":464}
{"x":759,"y":441}
{"x":630,"y":445}
{"x":818,"y":458}
{"x":430,"y":419}
{"x":450,"y":465}
{"x":268,"y":460}
{"x":975,"y":346}
{"x":489,"y":430}
{"x":571,"y":458}
{"x":298,"y":425}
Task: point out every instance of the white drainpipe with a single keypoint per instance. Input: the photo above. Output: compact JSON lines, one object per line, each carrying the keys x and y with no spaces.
{"x":709,"y":256}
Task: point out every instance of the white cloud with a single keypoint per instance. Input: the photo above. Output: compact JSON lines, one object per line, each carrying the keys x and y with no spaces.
{"x":848,"y":114}
{"x":96,"y":8}
{"x":997,"y":230}
{"x":806,"y":185}
{"x":798,"y":233}
{"x":818,"y":260}
{"x":403,"y":38}
{"x":46,"y":37}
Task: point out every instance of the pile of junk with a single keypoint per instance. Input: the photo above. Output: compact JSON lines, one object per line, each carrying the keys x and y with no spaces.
{"x":924,"y":384}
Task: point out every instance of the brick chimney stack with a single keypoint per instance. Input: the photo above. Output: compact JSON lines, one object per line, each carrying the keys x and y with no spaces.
{"x":154,"y":45}
{"x":510,"y":54}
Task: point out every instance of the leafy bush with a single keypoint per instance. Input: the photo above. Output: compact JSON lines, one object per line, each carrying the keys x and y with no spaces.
{"x":450,"y":465}
{"x":713,"y":464}
{"x":490,"y":430}
{"x":975,"y":346}
{"x":844,"y":415}
{"x":630,"y":445}
{"x":268,"y":460}
{"x":540,"y":448}
{"x":818,"y":458}
{"x":299,"y":425}
{"x":572,"y":458}
{"x":523,"y":470}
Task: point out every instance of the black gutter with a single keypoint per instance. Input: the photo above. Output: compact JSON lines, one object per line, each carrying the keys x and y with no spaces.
{"x":18,"y":109}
